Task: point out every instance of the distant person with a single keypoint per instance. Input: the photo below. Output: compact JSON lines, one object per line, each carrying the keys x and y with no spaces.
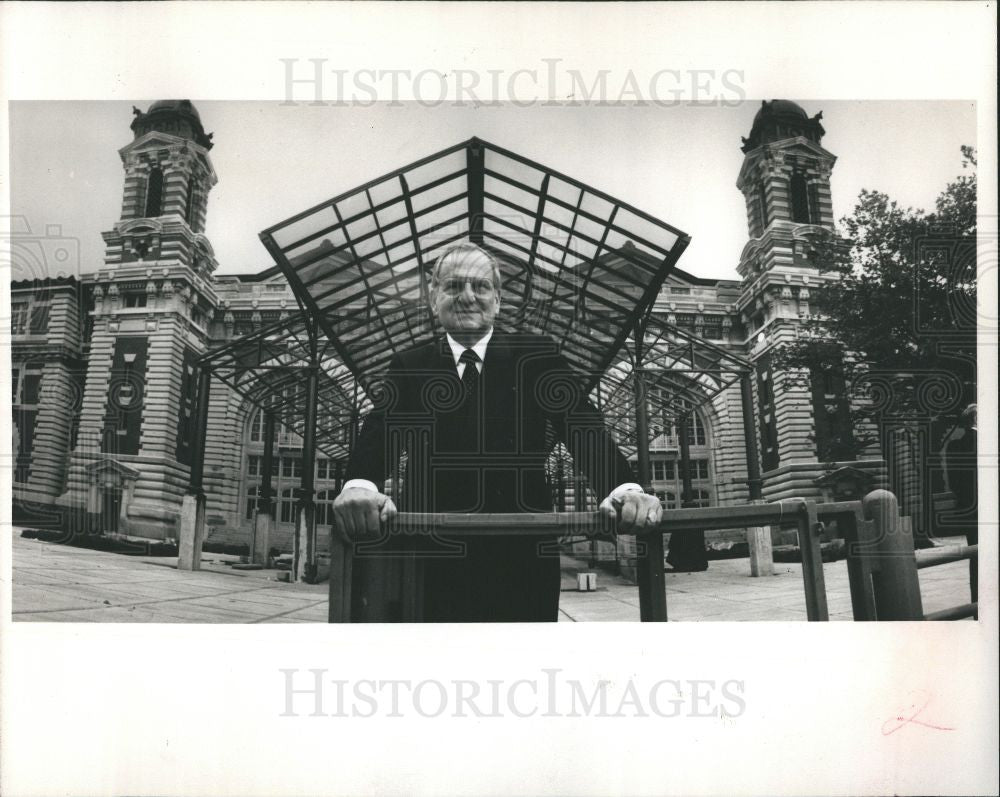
{"x":477,"y":413}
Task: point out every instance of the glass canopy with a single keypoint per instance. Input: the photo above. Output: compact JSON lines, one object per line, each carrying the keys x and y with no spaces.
{"x":577,"y":265}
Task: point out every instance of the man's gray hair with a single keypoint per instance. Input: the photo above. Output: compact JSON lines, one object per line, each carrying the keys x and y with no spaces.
{"x":468,"y":249}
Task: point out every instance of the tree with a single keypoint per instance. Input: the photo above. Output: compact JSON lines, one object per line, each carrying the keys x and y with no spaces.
{"x":897,"y":328}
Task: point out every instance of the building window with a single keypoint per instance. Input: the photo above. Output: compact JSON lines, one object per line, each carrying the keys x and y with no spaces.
{"x":660,"y":423}
{"x":768,"y":422}
{"x":253,"y":501}
{"x":288,"y":505}
{"x":713,"y":328}
{"x":668,"y":499}
{"x":18,"y":318}
{"x":188,"y":408}
{"x":31,"y":388}
{"x":699,"y":469}
{"x":291,"y":466}
{"x":154,"y":193}
{"x":696,"y":431}
{"x":800,"y":199}
{"x":15,"y":376}
{"x":324,"y":507}
{"x":762,"y":207}
{"x":324,"y":469}
{"x":39,"y":324}
{"x":189,"y":204}
{"x":831,"y":415}
{"x":24,"y":436}
{"x":124,"y":405}
{"x":257,"y":427}
{"x":131,"y":300}
{"x":700,"y":498}
{"x":814,"y":214}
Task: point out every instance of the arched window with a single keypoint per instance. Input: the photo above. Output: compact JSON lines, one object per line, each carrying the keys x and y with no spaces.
{"x":696,"y":431}
{"x":256,"y":430}
{"x":257,"y":427}
{"x":800,"y":199}
{"x":154,"y":192}
{"x":814,"y":216}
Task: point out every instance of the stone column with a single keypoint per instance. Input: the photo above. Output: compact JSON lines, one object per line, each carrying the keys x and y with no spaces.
{"x":758,"y":537}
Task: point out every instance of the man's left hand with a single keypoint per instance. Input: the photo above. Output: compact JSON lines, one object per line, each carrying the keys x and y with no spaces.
{"x":634,"y":510}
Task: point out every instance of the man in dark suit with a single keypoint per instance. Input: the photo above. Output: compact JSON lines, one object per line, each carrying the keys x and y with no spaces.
{"x":477,"y":414}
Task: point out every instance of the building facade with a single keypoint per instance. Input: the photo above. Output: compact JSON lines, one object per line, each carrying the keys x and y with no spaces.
{"x":104,"y":367}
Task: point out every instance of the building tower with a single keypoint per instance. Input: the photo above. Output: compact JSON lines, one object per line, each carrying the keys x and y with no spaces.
{"x":785,"y":180}
{"x":152,"y":303}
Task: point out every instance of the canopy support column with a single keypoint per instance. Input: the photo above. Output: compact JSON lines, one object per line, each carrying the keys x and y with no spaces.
{"x":264,"y":523}
{"x":305,"y":565}
{"x":649,"y":554}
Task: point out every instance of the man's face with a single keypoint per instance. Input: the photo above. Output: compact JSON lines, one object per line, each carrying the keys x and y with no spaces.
{"x":465,"y":298}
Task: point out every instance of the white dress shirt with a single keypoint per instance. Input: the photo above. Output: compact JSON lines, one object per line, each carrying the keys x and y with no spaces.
{"x":457,"y":349}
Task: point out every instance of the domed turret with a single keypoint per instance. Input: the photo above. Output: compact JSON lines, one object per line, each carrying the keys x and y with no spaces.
{"x":175,"y":117}
{"x":780,"y":119}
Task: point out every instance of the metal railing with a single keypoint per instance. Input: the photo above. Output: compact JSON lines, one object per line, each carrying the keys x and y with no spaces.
{"x":881,"y":562}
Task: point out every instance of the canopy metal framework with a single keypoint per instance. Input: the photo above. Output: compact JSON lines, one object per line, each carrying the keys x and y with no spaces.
{"x":577,"y":265}
{"x":271,"y":369}
{"x":679,"y":372}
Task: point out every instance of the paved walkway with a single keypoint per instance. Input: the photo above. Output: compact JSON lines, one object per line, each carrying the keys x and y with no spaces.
{"x":60,"y":583}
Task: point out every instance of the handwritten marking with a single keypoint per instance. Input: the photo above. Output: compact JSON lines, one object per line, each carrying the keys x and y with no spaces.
{"x":909,"y":716}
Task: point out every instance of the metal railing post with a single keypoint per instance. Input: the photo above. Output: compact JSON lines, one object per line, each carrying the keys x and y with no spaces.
{"x":857,"y":543}
{"x":341,"y":572}
{"x":649,"y":556}
{"x":894,"y":570}
{"x":812,"y":563}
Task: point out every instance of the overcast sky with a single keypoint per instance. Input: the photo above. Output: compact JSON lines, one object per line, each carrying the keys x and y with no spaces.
{"x":679,"y":164}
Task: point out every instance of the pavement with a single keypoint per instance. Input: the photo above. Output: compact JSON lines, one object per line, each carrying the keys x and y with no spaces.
{"x":61,"y":583}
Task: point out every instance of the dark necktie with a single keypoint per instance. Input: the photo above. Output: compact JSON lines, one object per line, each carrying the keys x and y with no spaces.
{"x":470,"y":376}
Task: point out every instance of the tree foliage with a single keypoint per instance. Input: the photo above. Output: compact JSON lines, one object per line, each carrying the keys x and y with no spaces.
{"x":898,"y":325}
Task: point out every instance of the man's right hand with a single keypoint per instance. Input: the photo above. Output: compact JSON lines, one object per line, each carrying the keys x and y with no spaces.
{"x":360,"y":513}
